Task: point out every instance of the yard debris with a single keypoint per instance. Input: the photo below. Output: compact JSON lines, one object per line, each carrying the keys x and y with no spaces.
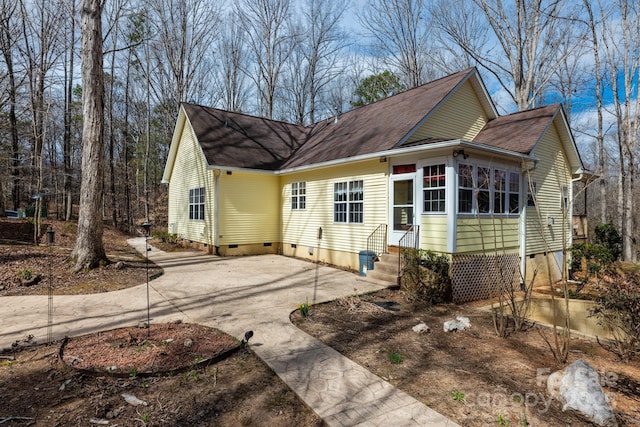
{"x":421,"y":328}
{"x":132,"y":400}
{"x":460,"y":324}
{"x":188,"y":342}
{"x":99,"y":421}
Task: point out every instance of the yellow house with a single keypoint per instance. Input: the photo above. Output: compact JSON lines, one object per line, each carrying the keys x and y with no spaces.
{"x":434,"y":167}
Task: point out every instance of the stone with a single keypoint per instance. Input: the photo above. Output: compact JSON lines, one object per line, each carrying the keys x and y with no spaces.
{"x":578,"y":388}
{"x":421,"y":328}
{"x":461,"y":323}
{"x":132,"y":400}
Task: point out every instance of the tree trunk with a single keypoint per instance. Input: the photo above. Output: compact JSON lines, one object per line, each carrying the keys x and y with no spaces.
{"x":67,"y":151}
{"x":89,"y":251}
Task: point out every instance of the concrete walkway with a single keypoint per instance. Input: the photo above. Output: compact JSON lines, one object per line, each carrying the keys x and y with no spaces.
{"x":236,"y":295}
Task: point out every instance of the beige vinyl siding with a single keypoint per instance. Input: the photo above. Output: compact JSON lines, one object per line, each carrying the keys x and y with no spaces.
{"x":300,"y":227}
{"x":551,"y":173}
{"x":487,"y":234}
{"x":433,"y":233}
{"x":190,"y":171}
{"x":249,"y":208}
{"x":460,"y":117}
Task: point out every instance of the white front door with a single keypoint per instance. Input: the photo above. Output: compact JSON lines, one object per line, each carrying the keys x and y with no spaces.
{"x":402,"y":205}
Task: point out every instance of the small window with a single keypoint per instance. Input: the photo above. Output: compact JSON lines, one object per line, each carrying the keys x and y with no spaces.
{"x":348,"y":201}
{"x":499,"y":191}
{"x":298,"y":195}
{"x":434,"y":188}
{"x":196,"y":203}
{"x":465,"y":188}
{"x":532,"y":192}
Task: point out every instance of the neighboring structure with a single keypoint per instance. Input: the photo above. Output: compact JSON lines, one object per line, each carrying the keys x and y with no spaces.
{"x":436,"y":161}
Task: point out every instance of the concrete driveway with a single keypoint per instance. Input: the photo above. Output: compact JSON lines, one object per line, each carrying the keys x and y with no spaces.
{"x":236,"y":295}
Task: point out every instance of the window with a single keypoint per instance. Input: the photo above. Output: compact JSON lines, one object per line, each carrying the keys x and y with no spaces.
{"x":348,"y":201}
{"x":514,"y":192}
{"x":196,"y":203}
{"x":484,"y":191}
{"x":465,"y":188}
{"x":532,"y":191}
{"x":298,"y":195}
{"x":434,"y":188}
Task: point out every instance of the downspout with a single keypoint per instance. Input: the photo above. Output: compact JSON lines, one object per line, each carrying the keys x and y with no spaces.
{"x":523,"y":224}
{"x":570,"y":240}
{"x":216,"y":210}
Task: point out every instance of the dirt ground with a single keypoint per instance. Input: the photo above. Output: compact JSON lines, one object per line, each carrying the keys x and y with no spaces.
{"x":26,"y":269}
{"x":471,"y":376}
{"x":188,"y":388}
{"x":38,"y":389}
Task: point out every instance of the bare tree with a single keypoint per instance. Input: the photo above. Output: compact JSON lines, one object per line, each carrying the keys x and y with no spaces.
{"x":8,"y":37}
{"x":266,"y":24}
{"x":525,"y":54}
{"x":594,"y":30}
{"x":400,"y":30}
{"x":322,"y":46}
{"x":185,"y":31}
{"x":622,"y":43}
{"x":89,"y":250}
{"x":232,"y":60}
{"x":67,"y":148}
{"x":41,"y":28}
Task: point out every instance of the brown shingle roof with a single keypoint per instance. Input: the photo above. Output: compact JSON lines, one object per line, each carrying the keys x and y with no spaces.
{"x":375,"y":127}
{"x":237,"y":140}
{"x":517,"y":132}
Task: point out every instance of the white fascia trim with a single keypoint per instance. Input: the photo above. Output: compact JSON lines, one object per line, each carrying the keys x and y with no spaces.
{"x":238,"y":169}
{"x":408,"y":150}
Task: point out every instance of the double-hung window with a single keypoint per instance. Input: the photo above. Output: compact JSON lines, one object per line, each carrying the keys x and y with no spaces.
{"x":348,"y":201}
{"x":433,"y":188}
{"x":196,"y":203}
{"x":298,"y":195}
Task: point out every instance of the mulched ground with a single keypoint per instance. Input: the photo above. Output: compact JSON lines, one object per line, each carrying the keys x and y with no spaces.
{"x":134,"y":351}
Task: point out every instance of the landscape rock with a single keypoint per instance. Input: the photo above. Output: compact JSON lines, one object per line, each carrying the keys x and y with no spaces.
{"x":578,"y":388}
{"x":461,"y":323}
{"x":132,"y":400}
{"x":421,"y":328}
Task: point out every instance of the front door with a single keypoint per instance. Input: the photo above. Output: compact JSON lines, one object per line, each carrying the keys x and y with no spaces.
{"x":402,"y":206}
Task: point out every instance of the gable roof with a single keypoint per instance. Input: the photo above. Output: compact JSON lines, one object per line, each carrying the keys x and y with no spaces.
{"x":376,"y":127}
{"x":235,"y":140}
{"x":521,"y":132}
{"x":242,"y":141}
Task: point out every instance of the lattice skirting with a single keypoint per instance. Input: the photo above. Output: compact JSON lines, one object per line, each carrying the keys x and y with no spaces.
{"x":477,"y":277}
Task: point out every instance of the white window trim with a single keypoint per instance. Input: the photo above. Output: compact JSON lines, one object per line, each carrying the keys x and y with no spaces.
{"x":194,"y":206}
{"x":348,"y":202}
{"x":491,"y":167}
{"x":447,"y":181}
{"x":298,"y":200}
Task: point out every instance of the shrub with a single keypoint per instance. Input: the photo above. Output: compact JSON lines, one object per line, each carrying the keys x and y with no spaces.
{"x":164,"y":236}
{"x":618,"y":310}
{"x":425,"y":276}
{"x":608,"y":236}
